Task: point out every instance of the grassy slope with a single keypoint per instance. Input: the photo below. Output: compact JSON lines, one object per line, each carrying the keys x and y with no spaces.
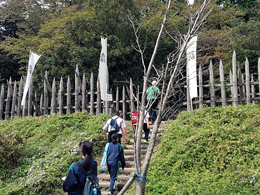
{"x":50,"y":145}
{"x":209,"y":151}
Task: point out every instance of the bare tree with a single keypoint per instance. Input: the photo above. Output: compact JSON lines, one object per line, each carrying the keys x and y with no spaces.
{"x":171,"y":79}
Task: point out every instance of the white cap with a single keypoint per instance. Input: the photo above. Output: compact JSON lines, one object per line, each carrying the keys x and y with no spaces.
{"x":154,"y":83}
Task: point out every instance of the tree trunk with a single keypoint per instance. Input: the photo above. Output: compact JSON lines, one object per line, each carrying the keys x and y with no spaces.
{"x":140,"y":188}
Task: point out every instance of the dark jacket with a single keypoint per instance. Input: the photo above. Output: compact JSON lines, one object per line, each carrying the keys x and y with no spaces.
{"x":75,"y":180}
{"x":115,"y":153}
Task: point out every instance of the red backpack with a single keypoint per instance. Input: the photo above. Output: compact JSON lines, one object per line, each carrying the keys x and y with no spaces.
{"x":134,"y":118}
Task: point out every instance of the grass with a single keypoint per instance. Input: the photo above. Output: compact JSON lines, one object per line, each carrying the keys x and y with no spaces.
{"x":209,"y":151}
{"x":44,"y":149}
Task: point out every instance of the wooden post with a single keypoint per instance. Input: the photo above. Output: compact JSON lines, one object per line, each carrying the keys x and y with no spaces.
{"x":117,"y":99}
{"x":53,"y":97}
{"x":248,"y":96}
{"x":252,"y":88}
{"x":222,"y":82}
{"x":124,"y":103}
{"x":8,"y":100}
{"x":34,"y":105}
{"x":131,"y":95}
{"x":30,"y":96}
{"x":61,"y":92}
{"x":234,"y":67}
{"x":111,"y":104}
{"x":83,"y":93}
{"x":231,"y":84}
{"x":41,"y":103}
{"x":2,"y":99}
{"x":138,"y":98}
{"x":189,"y":106}
{"x":92,"y":92}
{"x":45,"y":98}
{"x":243,"y":87}
{"x":77,"y":90}
{"x":200,"y":87}
{"x":19,"y":109}
{"x":240,"y":81}
{"x":68,"y":96}
{"x":259,"y":73}
{"x":98,"y":110}
{"x":25,"y":108}
{"x":212,"y":89}
{"x":14,"y":100}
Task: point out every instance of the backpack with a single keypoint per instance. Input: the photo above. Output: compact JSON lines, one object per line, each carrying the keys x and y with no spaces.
{"x":103,"y":163}
{"x":134,"y":118}
{"x":91,"y":186}
{"x":113,"y":127}
{"x":155,"y":92}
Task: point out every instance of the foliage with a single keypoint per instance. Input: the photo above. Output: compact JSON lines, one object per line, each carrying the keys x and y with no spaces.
{"x":50,"y":146}
{"x":10,"y":148}
{"x":209,"y":151}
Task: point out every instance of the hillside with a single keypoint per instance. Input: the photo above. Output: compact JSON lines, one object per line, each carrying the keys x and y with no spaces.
{"x":209,"y":151}
{"x":36,"y":152}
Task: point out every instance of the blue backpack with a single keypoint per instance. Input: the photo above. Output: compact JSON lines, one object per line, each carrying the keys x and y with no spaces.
{"x":103,"y":164}
{"x":91,"y":186}
{"x":113,"y":127}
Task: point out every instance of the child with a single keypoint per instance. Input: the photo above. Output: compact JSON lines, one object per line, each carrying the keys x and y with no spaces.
{"x":115,"y":153}
{"x":75,"y":180}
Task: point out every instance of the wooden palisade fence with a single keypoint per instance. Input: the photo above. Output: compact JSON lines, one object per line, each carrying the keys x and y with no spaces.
{"x":63,"y":101}
{"x":241,"y":92}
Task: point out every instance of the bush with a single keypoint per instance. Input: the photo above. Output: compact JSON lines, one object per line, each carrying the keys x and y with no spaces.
{"x":10,"y":147}
{"x":50,"y":146}
{"x":209,"y":151}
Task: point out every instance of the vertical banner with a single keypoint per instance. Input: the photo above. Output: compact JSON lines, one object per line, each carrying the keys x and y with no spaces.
{"x":191,"y":67}
{"x":33,"y":58}
{"x":103,"y":70}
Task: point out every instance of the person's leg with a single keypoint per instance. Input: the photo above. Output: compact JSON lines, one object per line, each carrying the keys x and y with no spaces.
{"x":113,"y":175}
{"x":119,"y":138}
{"x":153,"y":110}
{"x":146,"y":131}
{"x":109,"y":137}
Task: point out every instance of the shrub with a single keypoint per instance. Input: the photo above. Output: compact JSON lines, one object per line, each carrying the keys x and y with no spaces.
{"x":10,"y":147}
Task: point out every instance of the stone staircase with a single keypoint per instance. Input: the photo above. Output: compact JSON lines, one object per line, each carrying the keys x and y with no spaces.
{"x":104,"y":178}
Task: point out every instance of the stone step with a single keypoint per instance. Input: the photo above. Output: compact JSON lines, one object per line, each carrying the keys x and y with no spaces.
{"x":105,"y":184}
{"x":142,"y":142}
{"x":104,"y":177}
{"x":131,"y":146}
{"x":131,"y":152}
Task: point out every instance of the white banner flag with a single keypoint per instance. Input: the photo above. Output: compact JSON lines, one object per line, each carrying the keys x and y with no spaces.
{"x":103,"y":70}
{"x":33,"y":58}
{"x":191,"y":67}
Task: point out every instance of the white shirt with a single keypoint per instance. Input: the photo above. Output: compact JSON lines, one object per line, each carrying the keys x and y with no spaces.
{"x":119,"y":121}
{"x":146,"y":115}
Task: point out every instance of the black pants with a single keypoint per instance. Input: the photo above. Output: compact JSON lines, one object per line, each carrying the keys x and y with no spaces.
{"x":110,"y":140}
{"x":146,"y":131}
{"x":153,"y":110}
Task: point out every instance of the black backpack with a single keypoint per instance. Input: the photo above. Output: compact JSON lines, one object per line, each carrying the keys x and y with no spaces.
{"x":113,"y":127}
{"x":91,"y":186}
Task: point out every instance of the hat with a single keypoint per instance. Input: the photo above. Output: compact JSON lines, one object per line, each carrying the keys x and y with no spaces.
{"x":154,"y":83}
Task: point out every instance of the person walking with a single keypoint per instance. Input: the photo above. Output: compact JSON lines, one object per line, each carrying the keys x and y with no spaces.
{"x":122,"y":128}
{"x":146,"y":126}
{"x":152,"y":96}
{"x":115,"y":154}
{"x":76,"y":178}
